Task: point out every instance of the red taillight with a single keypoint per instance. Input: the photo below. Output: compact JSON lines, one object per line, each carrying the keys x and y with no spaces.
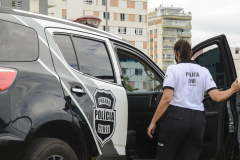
{"x":7,"y":77}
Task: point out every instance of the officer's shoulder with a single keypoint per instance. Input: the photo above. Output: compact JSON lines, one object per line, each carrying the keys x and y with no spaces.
{"x":171,"y":67}
{"x":204,"y":69}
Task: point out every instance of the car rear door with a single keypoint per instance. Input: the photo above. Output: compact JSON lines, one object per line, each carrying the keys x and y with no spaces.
{"x":89,"y":74}
{"x":220,"y":138}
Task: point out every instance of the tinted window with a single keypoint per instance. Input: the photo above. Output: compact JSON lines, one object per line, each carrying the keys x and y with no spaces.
{"x":211,"y":58}
{"x":137,"y":75}
{"x":93,"y":58}
{"x":65,"y":45}
{"x":17,"y":42}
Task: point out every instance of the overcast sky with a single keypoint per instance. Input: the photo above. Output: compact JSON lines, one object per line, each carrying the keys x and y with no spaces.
{"x":209,"y":18}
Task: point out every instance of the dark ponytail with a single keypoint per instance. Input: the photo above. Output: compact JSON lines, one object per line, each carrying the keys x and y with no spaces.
{"x":184,"y":48}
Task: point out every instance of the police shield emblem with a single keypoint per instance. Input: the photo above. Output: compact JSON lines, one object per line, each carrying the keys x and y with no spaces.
{"x":104,"y":115}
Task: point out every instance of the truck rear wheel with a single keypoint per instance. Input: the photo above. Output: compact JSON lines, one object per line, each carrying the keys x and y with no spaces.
{"x":49,"y":149}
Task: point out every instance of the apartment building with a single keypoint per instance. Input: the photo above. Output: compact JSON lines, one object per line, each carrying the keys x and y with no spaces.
{"x":236,"y":57}
{"x":166,"y":25}
{"x":125,"y":18}
{"x":35,"y":6}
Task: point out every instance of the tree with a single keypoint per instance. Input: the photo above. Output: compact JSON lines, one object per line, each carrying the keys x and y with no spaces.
{"x":127,"y":86}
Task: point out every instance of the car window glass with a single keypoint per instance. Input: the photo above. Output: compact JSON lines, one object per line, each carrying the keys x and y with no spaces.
{"x":66,"y":47}
{"x":137,"y":75}
{"x":210,"y":57}
{"x":93,"y":58}
{"x":17,"y":42}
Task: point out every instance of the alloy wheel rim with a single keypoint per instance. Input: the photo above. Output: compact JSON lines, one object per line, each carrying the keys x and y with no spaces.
{"x":55,"y":157}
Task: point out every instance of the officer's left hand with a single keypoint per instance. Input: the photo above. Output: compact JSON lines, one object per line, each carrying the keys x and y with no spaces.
{"x":151,"y":129}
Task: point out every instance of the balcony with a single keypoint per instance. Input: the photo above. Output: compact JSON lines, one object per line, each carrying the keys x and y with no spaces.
{"x":184,"y":35}
{"x":168,"y":58}
{"x":167,"y":50}
{"x":181,"y":16}
{"x":188,"y":26}
{"x":172,"y":34}
{"x":168,"y":42}
{"x":52,"y":3}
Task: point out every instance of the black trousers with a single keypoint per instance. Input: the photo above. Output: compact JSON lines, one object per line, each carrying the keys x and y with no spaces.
{"x":181,"y":134}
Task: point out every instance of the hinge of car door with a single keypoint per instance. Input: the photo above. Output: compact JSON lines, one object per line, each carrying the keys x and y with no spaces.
{"x":230,"y":116}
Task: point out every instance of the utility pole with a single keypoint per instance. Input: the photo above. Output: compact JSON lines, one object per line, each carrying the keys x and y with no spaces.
{"x":106,"y":15}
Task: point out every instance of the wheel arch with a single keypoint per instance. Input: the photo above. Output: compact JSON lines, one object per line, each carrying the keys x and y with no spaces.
{"x":65,"y":129}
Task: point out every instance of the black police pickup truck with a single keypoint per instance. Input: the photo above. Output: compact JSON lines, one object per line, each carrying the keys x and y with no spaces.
{"x":73,"y":92}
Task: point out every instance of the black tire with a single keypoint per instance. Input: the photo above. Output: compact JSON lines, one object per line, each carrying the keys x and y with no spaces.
{"x":45,"y":148}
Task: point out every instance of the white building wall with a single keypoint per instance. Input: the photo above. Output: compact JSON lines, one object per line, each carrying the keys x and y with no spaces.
{"x":77,"y":8}
{"x":34,"y":6}
{"x":57,"y":10}
{"x":74,"y":9}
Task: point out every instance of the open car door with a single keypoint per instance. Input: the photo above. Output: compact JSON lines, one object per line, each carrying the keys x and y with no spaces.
{"x":220,"y":140}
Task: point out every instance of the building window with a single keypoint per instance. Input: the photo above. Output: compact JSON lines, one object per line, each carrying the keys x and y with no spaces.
{"x":155,"y":31}
{"x":155,"y":47}
{"x":103,"y":2}
{"x":155,"y":55}
{"x":151,"y":39}
{"x":138,"y":31}
{"x":138,"y":72}
{"x":106,"y":28}
{"x":151,"y":31}
{"x":17,"y":4}
{"x":151,"y":56}
{"x":104,"y":15}
{"x":151,"y":48}
{"x":88,"y":2}
{"x":140,"y":18}
{"x":122,"y":17}
{"x":124,"y":70}
{"x":237,"y":51}
{"x":151,"y":23}
{"x":155,"y":22}
{"x":123,"y":59}
{"x":155,"y":39}
{"x":64,"y":17}
{"x":122,"y":30}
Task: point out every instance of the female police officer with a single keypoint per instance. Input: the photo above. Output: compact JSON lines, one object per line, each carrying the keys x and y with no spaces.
{"x":181,"y":109}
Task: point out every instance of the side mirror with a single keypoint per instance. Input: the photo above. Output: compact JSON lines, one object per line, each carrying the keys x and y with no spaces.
{"x":150,"y":74}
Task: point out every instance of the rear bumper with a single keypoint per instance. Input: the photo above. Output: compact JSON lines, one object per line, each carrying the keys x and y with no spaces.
{"x":11,"y":144}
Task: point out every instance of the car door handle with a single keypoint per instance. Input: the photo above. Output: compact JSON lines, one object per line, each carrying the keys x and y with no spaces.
{"x":78,"y":90}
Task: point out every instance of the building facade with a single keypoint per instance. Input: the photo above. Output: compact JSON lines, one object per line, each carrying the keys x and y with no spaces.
{"x":166,"y":25}
{"x":125,"y":18}
{"x":65,"y":9}
{"x":236,"y":57}
{"x":35,"y":6}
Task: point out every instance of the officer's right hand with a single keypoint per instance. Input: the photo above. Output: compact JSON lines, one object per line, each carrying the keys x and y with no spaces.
{"x":151,"y":129}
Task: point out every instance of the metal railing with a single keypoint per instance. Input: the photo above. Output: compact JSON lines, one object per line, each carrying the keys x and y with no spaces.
{"x":178,"y":14}
{"x":158,"y":14}
{"x":184,"y":33}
